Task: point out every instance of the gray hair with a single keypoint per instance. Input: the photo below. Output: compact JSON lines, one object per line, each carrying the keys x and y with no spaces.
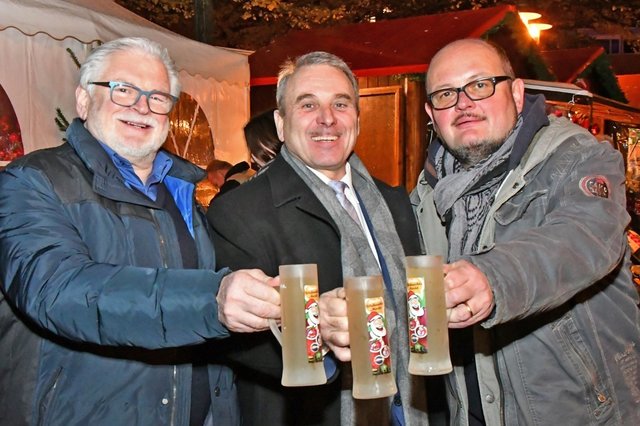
{"x":290,"y":67}
{"x":93,"y":65}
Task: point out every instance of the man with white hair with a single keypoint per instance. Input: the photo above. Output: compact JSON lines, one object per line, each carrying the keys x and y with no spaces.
{"x":110,"y":295}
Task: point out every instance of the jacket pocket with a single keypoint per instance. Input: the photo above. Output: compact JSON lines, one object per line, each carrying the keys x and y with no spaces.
{"x":597,"y":396}
{"x":515,"y":208}
{"x":48,"y":396}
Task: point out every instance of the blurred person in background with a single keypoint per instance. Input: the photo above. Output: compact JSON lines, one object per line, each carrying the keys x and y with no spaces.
{"x":262,"y":139}
{"x":217,"y":171}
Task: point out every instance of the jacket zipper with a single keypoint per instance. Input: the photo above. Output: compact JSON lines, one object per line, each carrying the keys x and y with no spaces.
{"x":496,"y":367}
{"x":49,"y":397}
{"x":174,"y":395}
{"x":163,"y":253}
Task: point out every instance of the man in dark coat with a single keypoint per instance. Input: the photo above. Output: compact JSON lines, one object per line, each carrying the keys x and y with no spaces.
{"x":289,"y":214}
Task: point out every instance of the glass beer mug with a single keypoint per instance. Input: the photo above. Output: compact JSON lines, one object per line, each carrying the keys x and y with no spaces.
{"x":427,"y":317}
{"x":370,"y":350}
{"x":300,"y":339}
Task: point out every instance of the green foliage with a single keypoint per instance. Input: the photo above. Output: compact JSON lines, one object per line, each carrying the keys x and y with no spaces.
{"x":163,"y":12}
{"x":61,"y":121}
{"x":599,"y":72}
{"x":74,"y":58}
{"x":251,"y":24}
{"x":525,"y":46}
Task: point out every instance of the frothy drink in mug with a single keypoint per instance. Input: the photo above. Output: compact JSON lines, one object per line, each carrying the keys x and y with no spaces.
{"x":368,"y":337}
{"x":301,"y":341}
{"x":427,"y":316}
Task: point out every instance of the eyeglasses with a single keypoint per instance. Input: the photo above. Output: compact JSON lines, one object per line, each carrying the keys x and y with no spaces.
{"x":476,"y":91}
{"x":126,"y":95}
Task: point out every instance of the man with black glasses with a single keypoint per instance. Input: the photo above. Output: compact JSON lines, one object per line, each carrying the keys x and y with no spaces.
{"x":111,"y":302}
{"x":529,"y":210}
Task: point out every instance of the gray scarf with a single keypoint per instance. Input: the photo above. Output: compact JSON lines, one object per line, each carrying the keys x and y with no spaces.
{"x":464,"y":197}
{"x":358,"y":260}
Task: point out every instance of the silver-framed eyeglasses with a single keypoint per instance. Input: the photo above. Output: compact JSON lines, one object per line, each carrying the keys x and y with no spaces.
{"x":126,"y":95}
{"x":475,"y":90}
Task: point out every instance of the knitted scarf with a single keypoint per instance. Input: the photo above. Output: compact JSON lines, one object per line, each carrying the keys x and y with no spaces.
{"x":358,"y":260}
{"x":464,"y":196}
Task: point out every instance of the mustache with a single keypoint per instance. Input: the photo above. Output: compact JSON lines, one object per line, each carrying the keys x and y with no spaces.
{"x":467,"y":115}
{"x":146,"y":121}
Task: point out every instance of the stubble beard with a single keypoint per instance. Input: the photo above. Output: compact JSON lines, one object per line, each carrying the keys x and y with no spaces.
{"x":470,"y":155}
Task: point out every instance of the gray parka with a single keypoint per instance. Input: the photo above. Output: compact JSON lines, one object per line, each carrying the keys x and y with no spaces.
{"x":563,"y":343}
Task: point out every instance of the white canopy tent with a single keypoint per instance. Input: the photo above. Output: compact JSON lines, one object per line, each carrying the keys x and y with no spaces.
{"x":38,"y":37}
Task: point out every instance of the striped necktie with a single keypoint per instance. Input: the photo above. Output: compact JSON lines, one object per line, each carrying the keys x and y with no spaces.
{"x":339,"y":187}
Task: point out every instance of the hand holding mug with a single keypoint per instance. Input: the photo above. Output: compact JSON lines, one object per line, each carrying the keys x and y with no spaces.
{"x":247,"y":299}
{"x":335,"y":324}
{"x":468,"y":294}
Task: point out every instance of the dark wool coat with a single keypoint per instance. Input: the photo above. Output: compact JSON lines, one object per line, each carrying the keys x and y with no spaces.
{"x":272,"y":220}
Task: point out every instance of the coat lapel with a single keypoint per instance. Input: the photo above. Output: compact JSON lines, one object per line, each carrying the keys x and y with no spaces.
{"x":287,"y":188}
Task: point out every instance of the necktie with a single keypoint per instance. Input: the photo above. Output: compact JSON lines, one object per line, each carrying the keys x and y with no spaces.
{"x":339,"y":187}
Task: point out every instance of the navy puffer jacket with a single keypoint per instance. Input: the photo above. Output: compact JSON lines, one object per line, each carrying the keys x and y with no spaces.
{"x":98,"y":322}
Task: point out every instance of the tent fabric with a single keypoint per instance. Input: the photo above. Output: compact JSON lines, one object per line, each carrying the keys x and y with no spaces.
{"x":99,"y":20}
{"x":39,"y":75}
{"x":395,"y":46}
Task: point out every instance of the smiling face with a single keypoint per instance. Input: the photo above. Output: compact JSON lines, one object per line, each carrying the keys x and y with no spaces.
{"x":321,"y":124}
{"x":134,"y":132}
{"x":377,"y":328}
{"x":473,"y":130}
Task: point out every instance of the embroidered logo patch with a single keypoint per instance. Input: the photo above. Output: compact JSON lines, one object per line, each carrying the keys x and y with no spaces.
{"x":595,"y":186}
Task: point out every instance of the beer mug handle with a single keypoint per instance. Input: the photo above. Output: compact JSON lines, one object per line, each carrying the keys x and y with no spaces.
{"x":273,"y":325}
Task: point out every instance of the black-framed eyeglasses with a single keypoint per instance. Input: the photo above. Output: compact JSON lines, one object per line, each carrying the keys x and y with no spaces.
{"x":126,"y":95}
{"x":475,"y":90}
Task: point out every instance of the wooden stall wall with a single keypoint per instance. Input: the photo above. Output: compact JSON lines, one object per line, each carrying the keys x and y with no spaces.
{"x":380,"y":144}
{"x":393,"y":127}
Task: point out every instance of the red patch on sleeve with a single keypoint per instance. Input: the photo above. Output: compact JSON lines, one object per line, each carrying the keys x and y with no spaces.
{"x":595,"y":186}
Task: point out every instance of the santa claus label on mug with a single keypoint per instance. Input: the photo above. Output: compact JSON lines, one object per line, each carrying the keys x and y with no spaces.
{"x":417,"y":316}
{"x":312,"y":318}
{"x":379,"y":352}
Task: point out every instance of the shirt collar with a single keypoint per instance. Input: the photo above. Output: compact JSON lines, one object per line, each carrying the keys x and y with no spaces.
{"x":161,"y":166}
{"x":346,"y":178}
